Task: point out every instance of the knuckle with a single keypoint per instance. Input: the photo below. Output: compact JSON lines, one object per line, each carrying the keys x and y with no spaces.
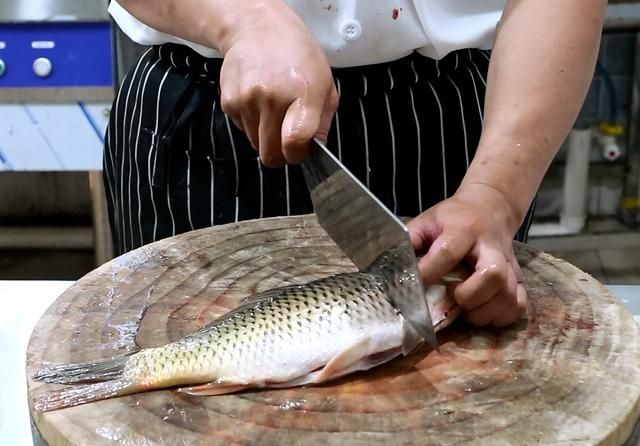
{"x":270,"y":160}
{"x":333,"y":101}
{"x":516,"y":269}
{"x":509,"y":303}
{"x":262,"y":91}
{"x":470,"y":224}
{"x":465,"y":300}
{"x":229,"y":104}
{"x":446,"y":251}
{"x":295,"y":139}
{"x":496,"y":275}
{"x":302,"y":82}
{"x":508,"y":298}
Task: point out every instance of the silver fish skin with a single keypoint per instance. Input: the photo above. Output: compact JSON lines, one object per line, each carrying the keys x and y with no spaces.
{"x":285,"y":337}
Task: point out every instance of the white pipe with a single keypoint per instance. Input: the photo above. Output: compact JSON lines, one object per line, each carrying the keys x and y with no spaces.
{"x":576,"y":181}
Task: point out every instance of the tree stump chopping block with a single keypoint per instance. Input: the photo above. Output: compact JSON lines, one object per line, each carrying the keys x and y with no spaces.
{"x":568,"y":373}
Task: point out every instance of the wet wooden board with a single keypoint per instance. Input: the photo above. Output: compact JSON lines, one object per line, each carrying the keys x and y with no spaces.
{"x":567,"y":374}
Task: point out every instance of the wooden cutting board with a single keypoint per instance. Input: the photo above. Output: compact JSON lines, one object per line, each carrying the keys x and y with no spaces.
{"x":568,"y":374}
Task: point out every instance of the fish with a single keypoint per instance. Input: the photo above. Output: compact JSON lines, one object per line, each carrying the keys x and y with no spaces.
{"x":296,"y":335}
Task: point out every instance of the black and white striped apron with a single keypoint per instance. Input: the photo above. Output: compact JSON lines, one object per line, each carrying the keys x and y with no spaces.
{"x":175,"y":162}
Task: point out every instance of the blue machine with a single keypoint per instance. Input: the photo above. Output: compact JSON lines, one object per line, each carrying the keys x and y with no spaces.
{"x":56,"y":84}
{"x":50,"y":55}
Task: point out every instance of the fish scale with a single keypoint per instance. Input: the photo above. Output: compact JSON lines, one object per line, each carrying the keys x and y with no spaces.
{"x":269,"y":319}
{"x":289,"y":336}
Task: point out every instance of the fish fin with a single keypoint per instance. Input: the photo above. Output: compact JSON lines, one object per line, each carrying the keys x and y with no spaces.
{"x":267,"y":294}
{"x":246,"y":302}
{"x":342,"y":363}
{"x":309,"y":378}
{"x":210,"y":389}
{"x":336,"y":370}
{"x":365,"y":363}
{"x":76,"y":395}
{"x":87,"y":372}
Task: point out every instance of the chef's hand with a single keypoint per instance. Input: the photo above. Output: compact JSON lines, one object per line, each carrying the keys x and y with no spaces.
{"x":473,"y":227}
{"x":276,"y":83}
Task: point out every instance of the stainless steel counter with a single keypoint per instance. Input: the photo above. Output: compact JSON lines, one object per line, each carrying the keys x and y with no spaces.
{"x":13,"y":11}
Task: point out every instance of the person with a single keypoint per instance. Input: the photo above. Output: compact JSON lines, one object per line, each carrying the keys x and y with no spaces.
{"x":450,"y":111}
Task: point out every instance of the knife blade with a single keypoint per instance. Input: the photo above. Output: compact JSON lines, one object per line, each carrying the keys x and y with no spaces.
{"x":364,"y":229}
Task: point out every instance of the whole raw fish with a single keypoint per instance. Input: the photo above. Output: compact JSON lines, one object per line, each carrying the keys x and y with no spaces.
{"x":285,"y":337}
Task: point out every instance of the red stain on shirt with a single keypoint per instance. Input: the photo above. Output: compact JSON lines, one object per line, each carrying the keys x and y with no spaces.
{"x":395,"y":14}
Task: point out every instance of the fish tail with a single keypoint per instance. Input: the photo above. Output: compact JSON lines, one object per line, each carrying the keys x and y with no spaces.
{"x":76,"y":395}
{"x":88,"y":372}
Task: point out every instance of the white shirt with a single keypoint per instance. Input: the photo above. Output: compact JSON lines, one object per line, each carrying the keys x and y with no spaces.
{"x":361,"y":32}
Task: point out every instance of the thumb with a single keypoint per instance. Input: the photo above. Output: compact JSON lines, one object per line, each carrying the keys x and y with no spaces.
{"x":326,"y":117}
{"x":300,"y":124}
{"x":422,"y":232}
{"x":445,"y":253}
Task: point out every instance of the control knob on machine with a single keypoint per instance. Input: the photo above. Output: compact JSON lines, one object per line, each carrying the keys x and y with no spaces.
{"x":42,"y":67}
{"x":3,"y":67}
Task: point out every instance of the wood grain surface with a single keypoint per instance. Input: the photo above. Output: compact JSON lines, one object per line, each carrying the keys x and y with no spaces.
{"x":567,"y":374}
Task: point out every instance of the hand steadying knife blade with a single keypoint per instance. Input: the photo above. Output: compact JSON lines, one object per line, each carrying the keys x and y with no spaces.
{"x":363,"y":228}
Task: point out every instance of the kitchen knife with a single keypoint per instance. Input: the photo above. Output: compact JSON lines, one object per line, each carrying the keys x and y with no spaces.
{"x":364,"y":229}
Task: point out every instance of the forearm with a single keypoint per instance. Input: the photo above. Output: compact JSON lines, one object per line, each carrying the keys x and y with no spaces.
{"x":211,"y":23}
{"x":541,"y":68}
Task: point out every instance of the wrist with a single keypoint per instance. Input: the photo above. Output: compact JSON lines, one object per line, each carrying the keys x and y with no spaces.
{"x":511,"y":163}
{"x":250,"y":16}
{"x":500,"y":202}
